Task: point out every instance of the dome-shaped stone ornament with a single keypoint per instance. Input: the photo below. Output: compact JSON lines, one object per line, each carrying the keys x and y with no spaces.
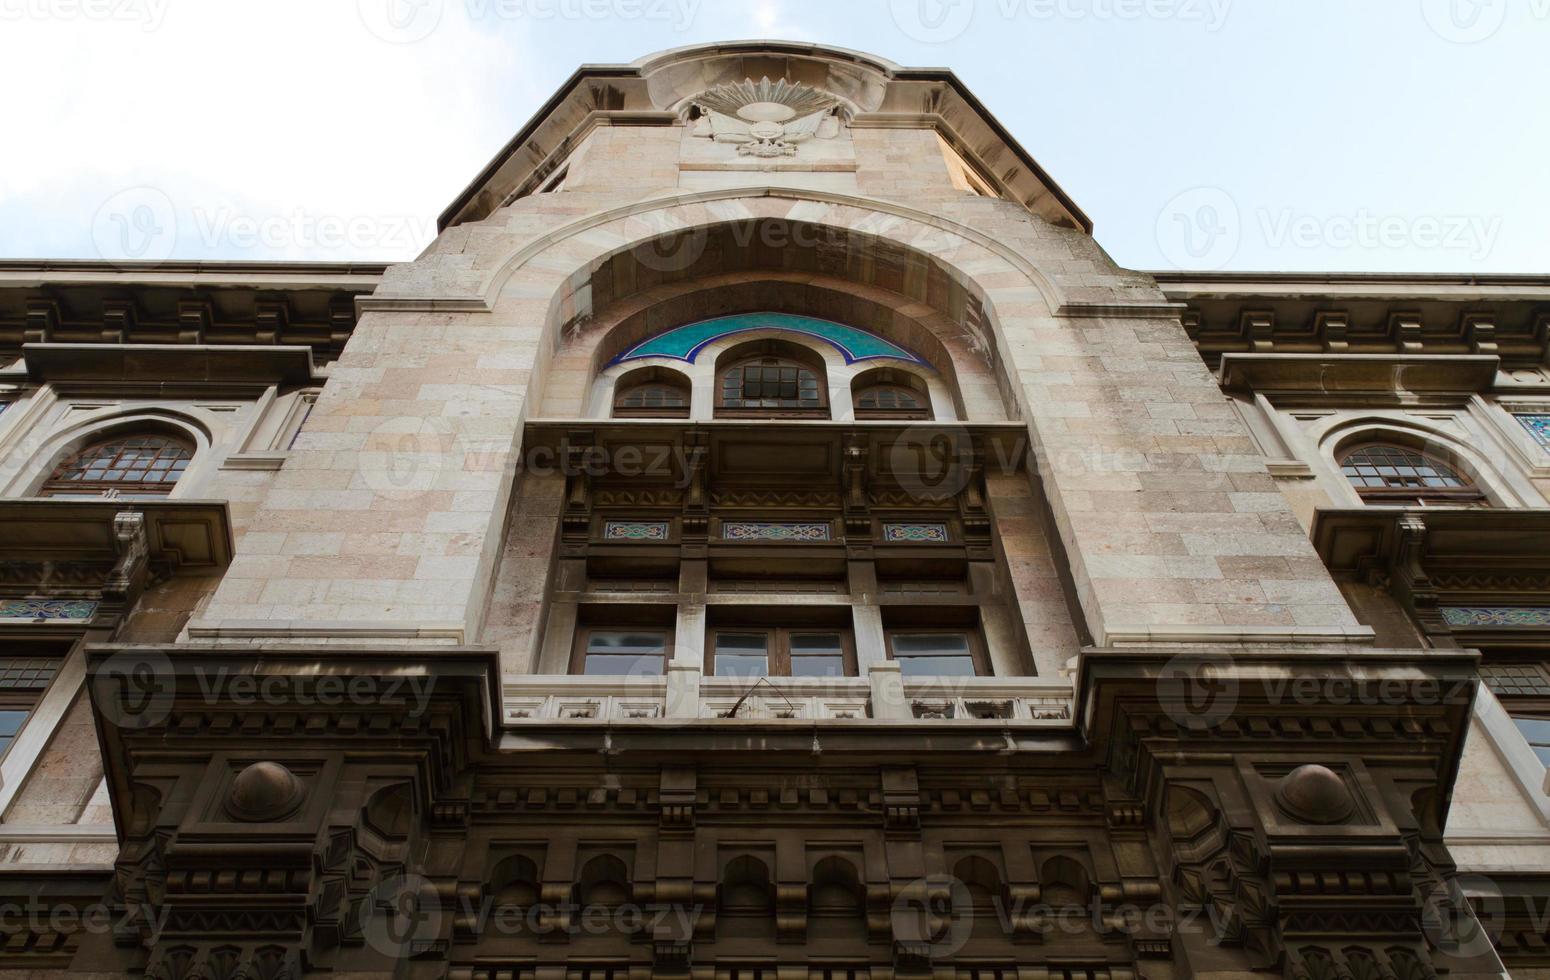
{"x":264,"y":791}
{"x":1315,"y":794}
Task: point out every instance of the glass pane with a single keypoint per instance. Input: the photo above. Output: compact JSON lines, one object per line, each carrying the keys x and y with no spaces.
{"x":928,"y":666}
{"x":623,"y":664}
{"x":912,"y":644}
{"x":1543,"y":752}
{"x":828,"y":665}
{"x":741,"y":665}
{"x":742,"y":655}
{"x":627,"y":643}
{"x":1536,"y":730}
{"x":816,"y":643}
{"x":11,"y":722}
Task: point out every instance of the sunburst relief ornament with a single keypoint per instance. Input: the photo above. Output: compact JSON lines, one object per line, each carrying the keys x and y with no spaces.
{"x":765,"y":118}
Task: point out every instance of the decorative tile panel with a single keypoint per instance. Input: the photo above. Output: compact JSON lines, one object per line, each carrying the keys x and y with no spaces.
{"x":685,"y":343}
{"x":637,"y":530}
{"x":775,"y":531}
{"x":1496,"y":615}
{"x":929,"y":533}
{"x":50,"y":610}
{"x":1538,"y":427}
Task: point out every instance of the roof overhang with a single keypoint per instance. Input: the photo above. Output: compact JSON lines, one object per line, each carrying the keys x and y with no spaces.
{"x":164,"y":363}
{"x":1459,"y":375}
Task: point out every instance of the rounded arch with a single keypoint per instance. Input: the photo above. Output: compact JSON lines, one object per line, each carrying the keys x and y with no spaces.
{"x":746,"y":887}
{"x":1343,"y":436}
{"x":652,"y":391}
{"x":771,"y":375}
{"x":981,"y":878}
{"x":71,"y":441}
{"x":1063,"y":881}
{"x":836,"y":888}
{"x":891,"y":392}
{"x":604,"y":882}
{"x":513,"y":882}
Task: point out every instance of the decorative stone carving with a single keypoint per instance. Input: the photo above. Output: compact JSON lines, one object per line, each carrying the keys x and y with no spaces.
{"x":1315,"y":794}
{"x":263,"y":792}
{"x":766,"y":119}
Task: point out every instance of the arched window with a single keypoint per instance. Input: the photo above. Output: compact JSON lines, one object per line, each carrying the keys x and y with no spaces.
{"x":131,"y":465}
{"x":771,"y":378}
{"x":1385,"y":473}
{"x":888,"y":394}
{"x":652,"y":393}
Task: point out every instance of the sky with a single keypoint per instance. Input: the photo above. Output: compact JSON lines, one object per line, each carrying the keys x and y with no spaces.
{"x":1268,"y":135}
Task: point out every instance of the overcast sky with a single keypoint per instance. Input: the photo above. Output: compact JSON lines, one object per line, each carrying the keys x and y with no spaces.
{"x":1349,"y":135}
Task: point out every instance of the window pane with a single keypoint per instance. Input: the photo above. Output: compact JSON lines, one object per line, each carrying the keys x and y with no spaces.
{"x":11,"y":723}
{"x":742,"y":655}
{"x":627,"y":643}
{"x":817,"y":666}
{"x":1536,"y":730}
{"x":933,"y":655}
{"x":621,"y":664}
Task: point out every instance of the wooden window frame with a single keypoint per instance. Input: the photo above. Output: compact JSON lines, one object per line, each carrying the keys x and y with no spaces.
{"x":621,"y":411}
{"x":1418,"y":496}
{"x":922,"y":414}
{"x":820,"y":411}
{"x":977,"y":652}
{"x":584,"y":634}
{"x":778,"y":648}
{"x":55,"y":486}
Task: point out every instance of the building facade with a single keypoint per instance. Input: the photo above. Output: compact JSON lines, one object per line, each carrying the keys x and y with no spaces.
{"x":765,"y":536}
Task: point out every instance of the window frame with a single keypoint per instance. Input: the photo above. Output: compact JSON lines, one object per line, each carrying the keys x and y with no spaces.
{"x":1417,"y":496}
{"x":820,"y":411}
{"x":622,"y":411}
{"x":778,"y":649}
{"x":54,"y":486}
{"x":977,"y":653}
{"x":583,"y":639}
{"x":922,"y":414}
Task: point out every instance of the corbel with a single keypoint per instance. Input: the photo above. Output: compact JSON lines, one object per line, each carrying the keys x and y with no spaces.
{"x":43,"y":319}
{"x":1335,"y":327}
{"x":195,"y":317}
{"x":1479,"y":331}
{"x":272,"y":317}
{"x":118,"y":321}
{"x":858,"y":518}
{"x":901,"y":803}
{"x":341,"y":322}
{"x":1258,"y":328}
{"x":129,"y":574}
{"x":576,"y":522}
{"x":696,"y":499}
{"x":1405,"y":328}
{"x":1191,"y":322}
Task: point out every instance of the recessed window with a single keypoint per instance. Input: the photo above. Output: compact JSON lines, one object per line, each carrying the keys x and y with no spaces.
{"x":890,"y":401}
{"x":771,"y":383}
{"x":780,"y":653}
{"x":654,"y":399}
{"x":631,"y":653}
{"x":1537,"y":732}
{"x":126,"y":466}
{"x":934,"y":654}
{"x":1400,"y":475}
